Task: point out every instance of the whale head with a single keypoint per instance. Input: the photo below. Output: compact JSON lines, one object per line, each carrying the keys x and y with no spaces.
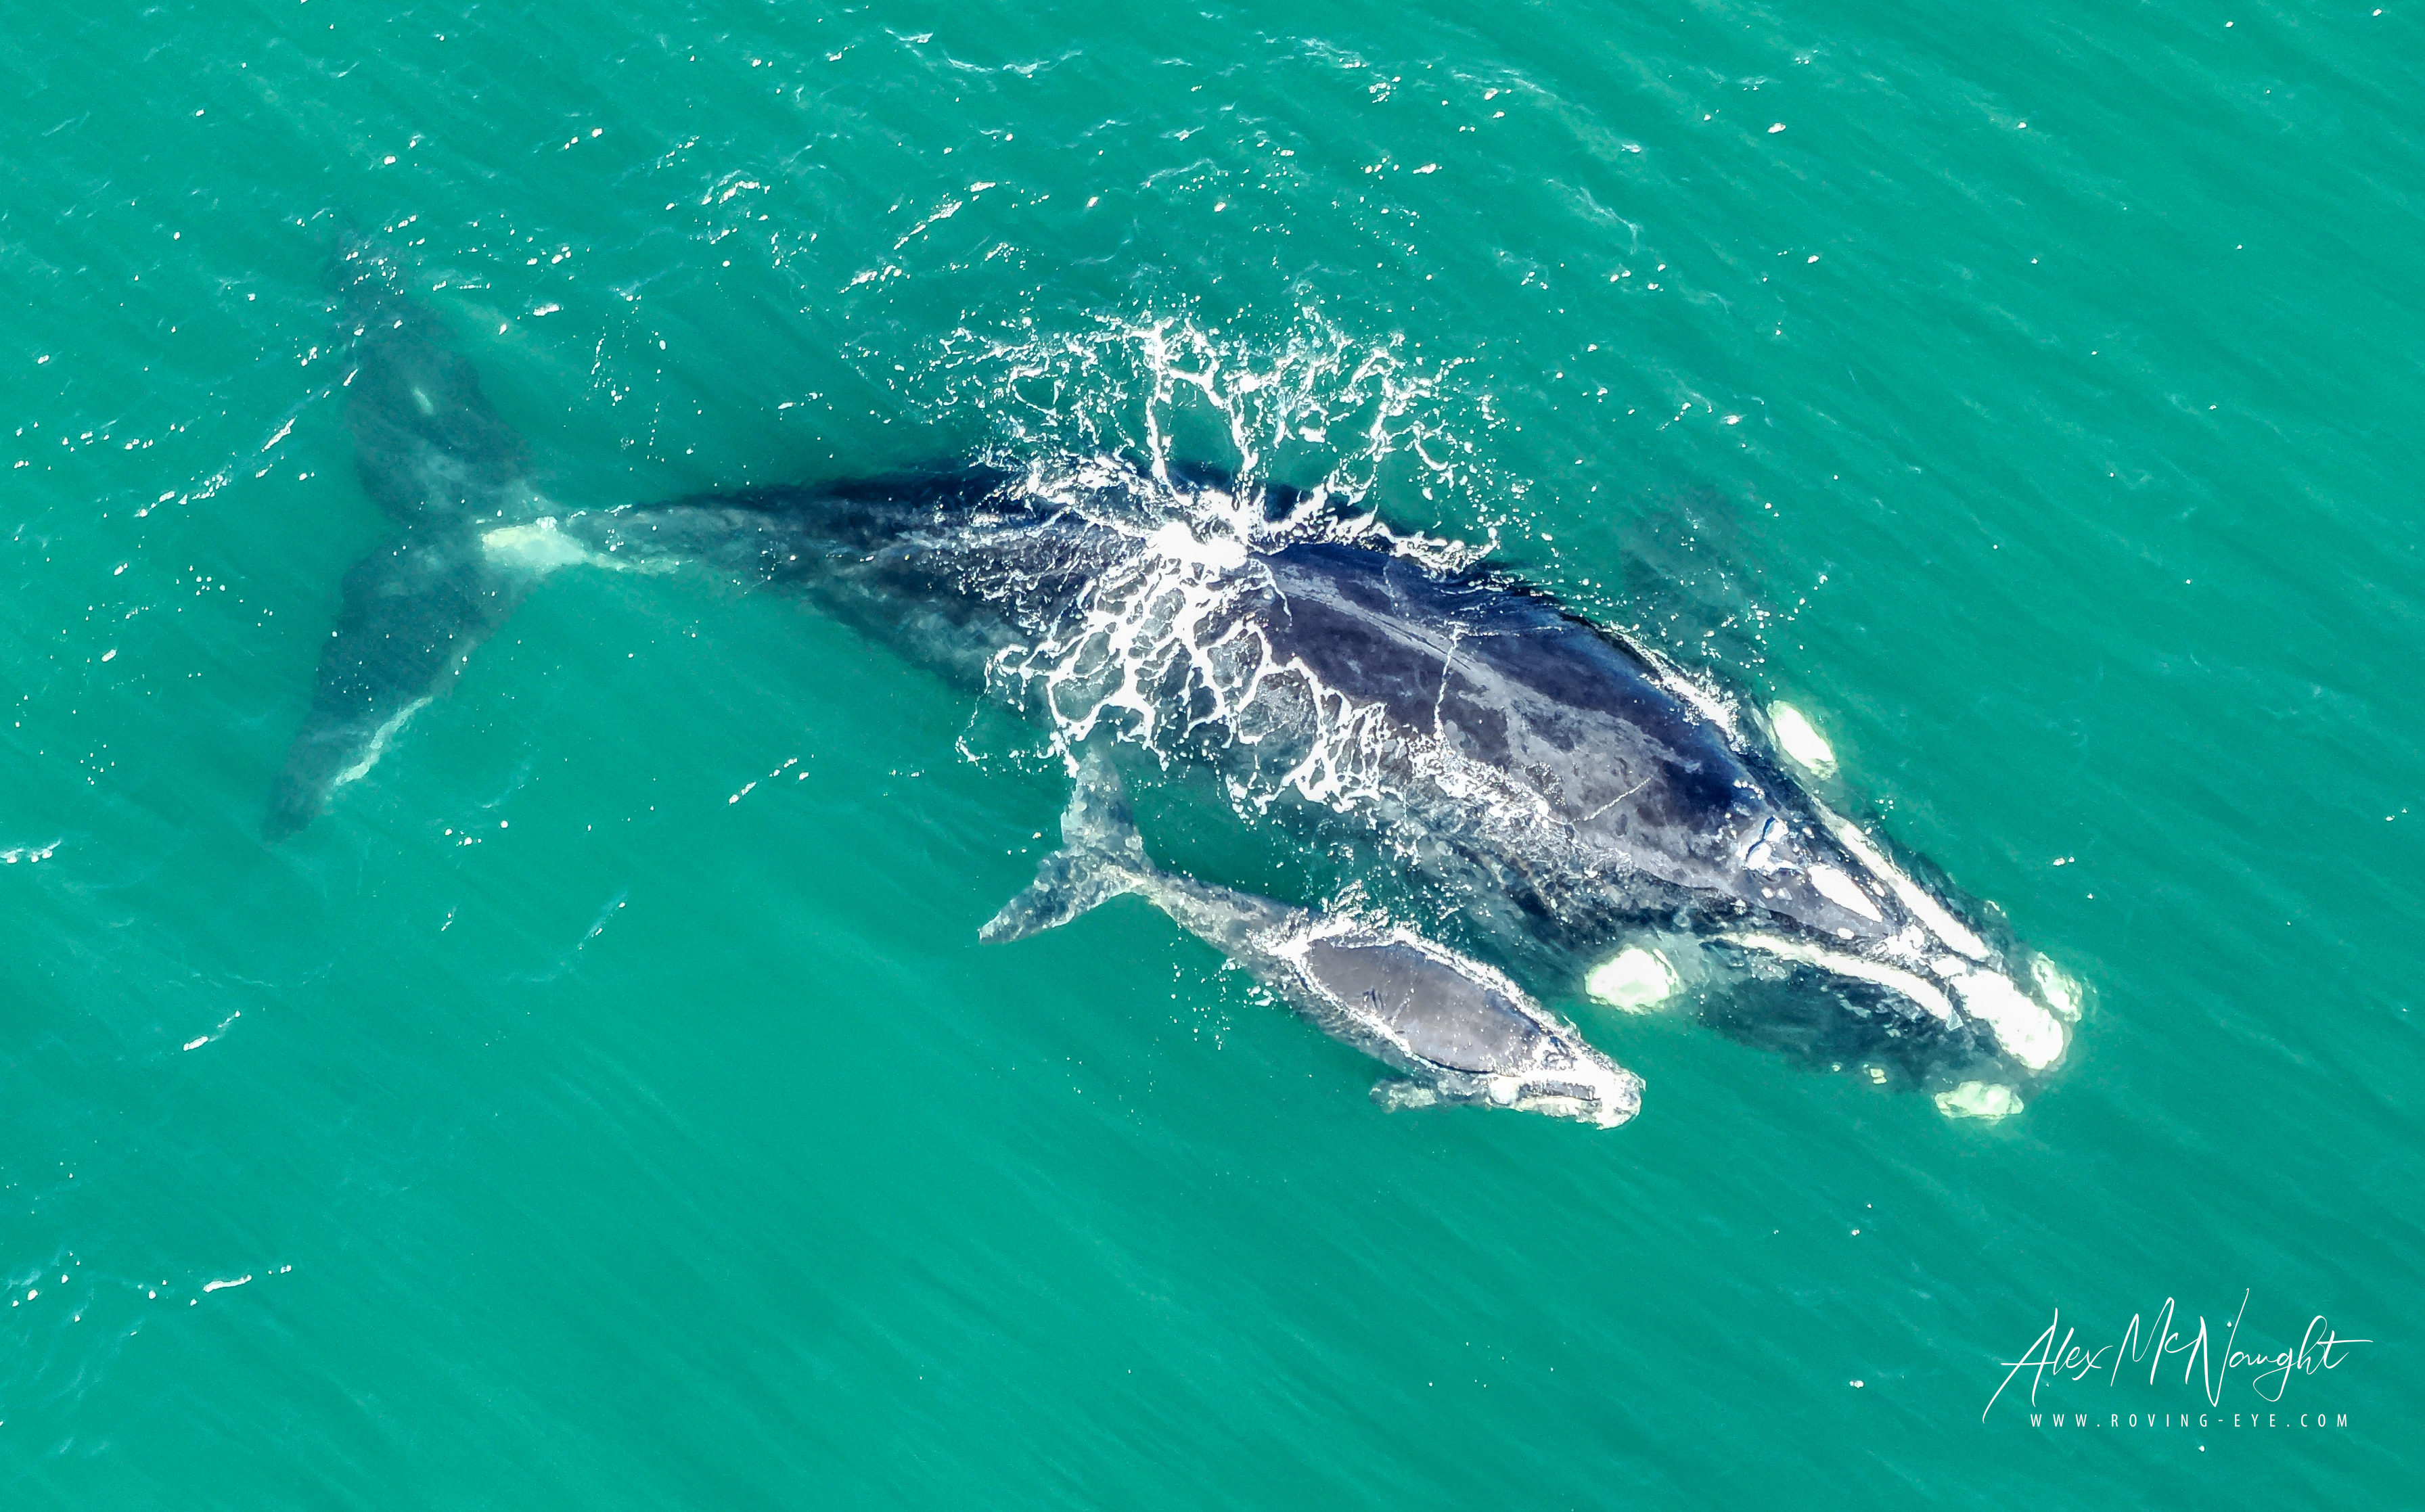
{"x":1835,"y":911}
{"x":1808,"y":901}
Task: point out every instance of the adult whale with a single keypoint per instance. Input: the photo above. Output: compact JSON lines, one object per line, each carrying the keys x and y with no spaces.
{"x":1583,"y":808}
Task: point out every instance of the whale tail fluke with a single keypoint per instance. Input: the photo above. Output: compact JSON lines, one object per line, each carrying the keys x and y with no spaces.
{"x":409,"y":615}
{"x":1102,"y":858}
{"x":436,"y":457}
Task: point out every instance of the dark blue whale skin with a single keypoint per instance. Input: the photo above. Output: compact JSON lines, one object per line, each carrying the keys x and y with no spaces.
{"x":436,"y":458}
{"x":1615,"y":806}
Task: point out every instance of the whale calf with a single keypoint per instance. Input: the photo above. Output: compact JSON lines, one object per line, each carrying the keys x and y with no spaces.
{"x":1461,"y":1031}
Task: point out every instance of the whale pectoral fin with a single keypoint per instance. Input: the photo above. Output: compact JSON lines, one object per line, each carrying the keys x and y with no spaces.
{"x":1102,"y":858}
{"x":1637,"y":979}
{"x":409,"y":614}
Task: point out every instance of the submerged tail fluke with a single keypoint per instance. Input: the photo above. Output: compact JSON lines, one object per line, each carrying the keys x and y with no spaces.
{"x":1102,"y":858}
{"x":435,"y":456}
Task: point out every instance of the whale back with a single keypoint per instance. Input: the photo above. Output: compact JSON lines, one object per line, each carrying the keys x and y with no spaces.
{"x":1547,"y":760}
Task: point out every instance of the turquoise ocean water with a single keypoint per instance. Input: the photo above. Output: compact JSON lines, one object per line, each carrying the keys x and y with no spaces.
{"x":2033,"y":397}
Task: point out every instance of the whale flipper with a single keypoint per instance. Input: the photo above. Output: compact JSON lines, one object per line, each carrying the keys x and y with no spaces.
{"x":437,"y":459}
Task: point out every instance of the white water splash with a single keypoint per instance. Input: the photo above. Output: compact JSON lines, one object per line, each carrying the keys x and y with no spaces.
{"x":1118,"y":421}
{"x":1336,"y":415}
{"x":1169,"y":643}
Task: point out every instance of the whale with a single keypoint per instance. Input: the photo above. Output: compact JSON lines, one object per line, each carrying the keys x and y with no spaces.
{"x":1459,"y":1032}
{"x":1533,"y":790}
{"x":433,"y":454}
{"x":1565,"y":800}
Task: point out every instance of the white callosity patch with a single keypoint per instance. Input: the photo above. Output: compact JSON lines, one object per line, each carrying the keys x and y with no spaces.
{"x":2056,"y":986}
{"x":1635,"y":979}
{"x":2028,"y":1030}
{"x":2028,"y":1033}
{"x":1909,"y":893}
{"x":1844,"y":893}
{"x":2025,"y":1028}
{"x":1909,"y":984}
{"x":1978,"y":1100}
{"x":1801,"y":740}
